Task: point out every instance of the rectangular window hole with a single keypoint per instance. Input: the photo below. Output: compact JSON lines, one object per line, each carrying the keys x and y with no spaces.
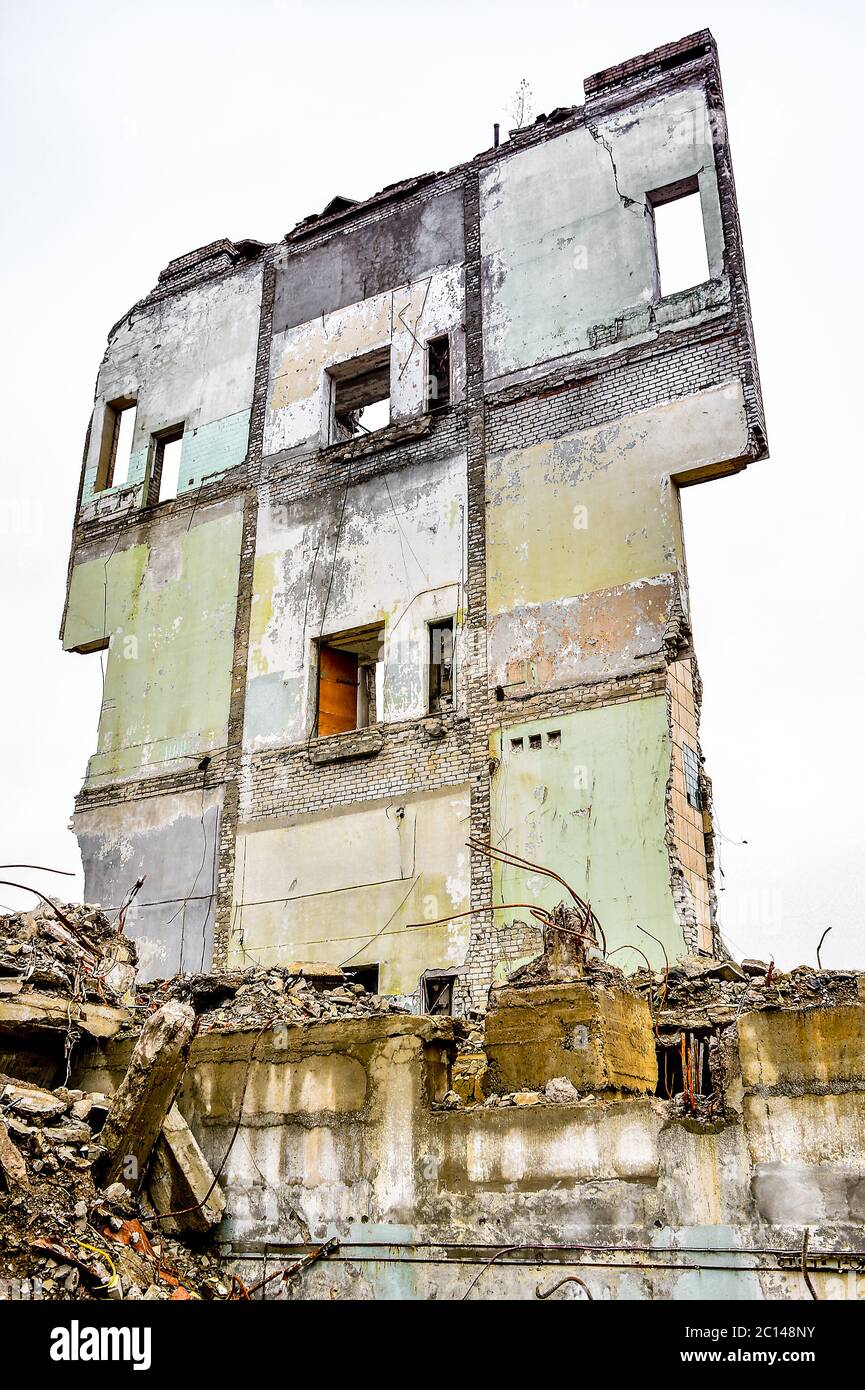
{"x":437,"y":993}
{"x":165,"y":476}
{"x":691,"y":764}
{"x":680,"y":237}
{"x":441,"y":664}
{"x":350,"y":669}
{"x":118,"y":428}
{"x":516,"y":745}
{"x":360,"y":395}
{"x":554,"y":737}
{"x":535,"y":741}
{"x":366,"y":975}
{"x":438,"y":381}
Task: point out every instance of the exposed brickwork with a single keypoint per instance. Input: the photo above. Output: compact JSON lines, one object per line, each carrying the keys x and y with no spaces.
{"x":692,"y":48}
{"x":478,"y":960}
{"x":688,"y":826}
{"x":633,"y":380}
{"x":229,"y":818}
{"x":285,"y":782}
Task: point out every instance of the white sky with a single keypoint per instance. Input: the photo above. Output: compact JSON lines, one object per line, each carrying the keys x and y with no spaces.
{"x":132,"y":132}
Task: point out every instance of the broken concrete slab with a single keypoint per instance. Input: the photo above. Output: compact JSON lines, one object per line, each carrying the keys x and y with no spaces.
{"x":32,"y":1101}
{"x":13,"y":1164}
{"x":144,"y":1096}
{"x":181,"y":1180}
{"x":33,"y":1010}
{"x":755,"y":967}
{"x":597,"y":1037}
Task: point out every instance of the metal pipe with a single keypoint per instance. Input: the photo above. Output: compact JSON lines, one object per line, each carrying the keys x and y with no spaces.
{"x":793,"y":1252}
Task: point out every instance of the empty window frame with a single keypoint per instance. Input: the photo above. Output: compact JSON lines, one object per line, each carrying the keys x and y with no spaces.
{"x":438,"y":374}
{"x":366,"y":975}
{"x":349,"y":680}
{"x":691,"y":764}
{"x":680,"y":237}
{"x":165,"y":470}
{"x":118,"y":427}
{"x":359,"y":395}
{"x":437,"y":993}
{"x":441,"y":665}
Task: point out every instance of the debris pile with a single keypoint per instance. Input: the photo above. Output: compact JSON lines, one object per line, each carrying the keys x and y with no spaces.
{"x":67,"y":948}
{"x":700,"y":993}
{"x":558,"y":1091}
{"x":62,"y":1236}
{"x":290,"y":995}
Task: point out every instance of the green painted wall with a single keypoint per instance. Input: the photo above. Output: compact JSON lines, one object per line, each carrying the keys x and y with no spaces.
{"x":592,"y":808}
{"x":211,"y":449}
{"x":207,"y":451}
{"x":168,"y":610}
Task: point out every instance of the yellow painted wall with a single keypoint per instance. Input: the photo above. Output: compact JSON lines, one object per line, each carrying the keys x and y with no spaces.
{"x":346,"y":886}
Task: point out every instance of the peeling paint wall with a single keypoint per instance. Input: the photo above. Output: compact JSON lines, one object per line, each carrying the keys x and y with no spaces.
{"x":165,"y":602}
{"x":585,"y":557}
{"x":170,"y":841}
{"x":403,"y":319}
{"x":538,"y":508}
{"x":391,"y":551}
{"x":356,"y":886}
{"x":567,"y":235}
{"x":187,"y":359}
{"x":396,"y":283}
{"x":584,"y":795}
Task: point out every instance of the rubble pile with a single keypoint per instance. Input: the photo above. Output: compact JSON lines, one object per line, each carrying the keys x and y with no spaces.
{"x":558,"y":1091}
{"x":68,"y":948}
{"x":289,"y":995}
{"x":540,"y":971}
{"x":700,"y":993}
{"x":59,"y":1230}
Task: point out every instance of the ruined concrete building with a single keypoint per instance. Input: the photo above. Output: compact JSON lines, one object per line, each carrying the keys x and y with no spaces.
{"x":379,"y":532}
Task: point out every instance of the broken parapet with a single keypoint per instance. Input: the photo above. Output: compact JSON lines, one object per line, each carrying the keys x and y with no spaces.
{"x":566,"y":1016}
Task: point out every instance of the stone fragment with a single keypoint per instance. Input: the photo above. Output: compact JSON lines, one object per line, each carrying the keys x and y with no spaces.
{"x":560,"y":1091}
{"x":13,"y":1164}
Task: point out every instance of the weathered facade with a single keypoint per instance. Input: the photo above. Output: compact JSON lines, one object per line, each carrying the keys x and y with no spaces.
{"x":352,"y":1148}
{"x":348,"y":642}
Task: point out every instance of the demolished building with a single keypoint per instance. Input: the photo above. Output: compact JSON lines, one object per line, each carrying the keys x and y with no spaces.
{"x":690,"y":1133}
{"x":419,"y":569}
{"x":398,"y":799}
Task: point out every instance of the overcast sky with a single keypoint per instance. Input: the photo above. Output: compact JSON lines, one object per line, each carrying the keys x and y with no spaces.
{"x":134,"y":132}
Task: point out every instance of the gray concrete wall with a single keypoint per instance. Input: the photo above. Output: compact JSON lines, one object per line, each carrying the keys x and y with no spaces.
{"x":170,"y":841}
{"x":340,"y":1138}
